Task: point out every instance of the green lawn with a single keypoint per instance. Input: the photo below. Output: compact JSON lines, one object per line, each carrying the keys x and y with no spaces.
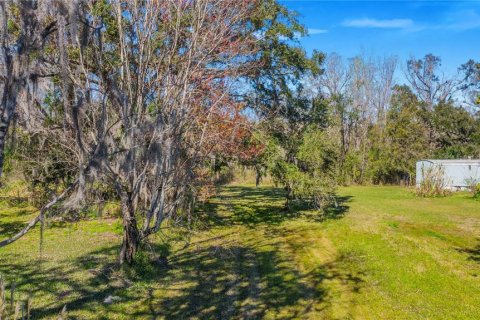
{"x":382,"y":254}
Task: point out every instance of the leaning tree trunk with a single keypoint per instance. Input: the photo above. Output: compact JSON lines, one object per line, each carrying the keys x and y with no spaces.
{"x":131,"y":235}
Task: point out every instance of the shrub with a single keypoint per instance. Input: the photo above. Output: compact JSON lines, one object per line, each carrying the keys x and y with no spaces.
{"x":434,"y":183}
{"x":474,"y":186}
{"x":476,"y":191}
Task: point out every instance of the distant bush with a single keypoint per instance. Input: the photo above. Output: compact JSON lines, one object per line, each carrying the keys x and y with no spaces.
{"x":434,"y":183}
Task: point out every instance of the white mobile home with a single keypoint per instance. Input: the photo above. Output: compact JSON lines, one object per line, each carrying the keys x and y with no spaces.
{"x":458,"y":174}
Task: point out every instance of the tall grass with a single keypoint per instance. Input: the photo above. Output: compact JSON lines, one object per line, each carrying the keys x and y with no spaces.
{"x":434,"y":182}
{"x":14,"y":308}
{"x":474,"y":187}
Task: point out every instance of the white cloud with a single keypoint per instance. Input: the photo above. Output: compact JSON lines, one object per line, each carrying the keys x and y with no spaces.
{"x":376,"y":23}
{"x":312,"y":31}
{"x":457,"y":20}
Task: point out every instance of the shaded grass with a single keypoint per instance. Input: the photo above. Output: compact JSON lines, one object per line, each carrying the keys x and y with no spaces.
{"x":381,"y":253}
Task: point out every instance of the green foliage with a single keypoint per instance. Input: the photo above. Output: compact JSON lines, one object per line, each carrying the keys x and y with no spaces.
{"x":292,"y":122}
{"x":456,"y":132}
{"x":474,"y":186}
{"x":318,"y":153}
{"x":411,"y":133}
{"x":282,"y":62}
{"x":404,"y":140}
{"x":352,"y":168}
{"x":10,"y":158}
{"x":105,"y":11}
{"x":13,"y":23}
{"x":383,"y":148}
{"x":476,"y":191}
{"x":309,"y":173}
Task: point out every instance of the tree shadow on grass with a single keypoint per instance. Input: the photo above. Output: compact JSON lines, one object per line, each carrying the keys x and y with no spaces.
{"x":265,"y":206}
{"x":473,"y":253}
{"x":257,"y":206}
{"x":204,"y":281}
{"x":216,"y":278}
{"x":335,"y":210}
{"x":13,"y":221}
{"x":246,"y":282}
{"x":8,"y":229}
{"x":207,"y":216}
{"x":69,"y":283}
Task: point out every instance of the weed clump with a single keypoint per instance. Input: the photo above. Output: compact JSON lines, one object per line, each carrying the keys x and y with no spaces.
{"x":14,"y":308}
{"x":434,"y":183}
{"x":474,"y":187}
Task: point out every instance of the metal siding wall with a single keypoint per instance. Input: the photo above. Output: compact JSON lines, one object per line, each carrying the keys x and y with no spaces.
{"x":421,"y":164}
{"x":457,"y":175}
{"x":461,"y":175}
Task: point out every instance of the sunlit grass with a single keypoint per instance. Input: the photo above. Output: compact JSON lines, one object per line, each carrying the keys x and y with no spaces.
{"x":385,"y":255}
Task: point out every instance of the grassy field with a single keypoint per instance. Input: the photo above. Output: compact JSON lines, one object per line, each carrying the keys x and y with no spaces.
{"x":382,"y":254}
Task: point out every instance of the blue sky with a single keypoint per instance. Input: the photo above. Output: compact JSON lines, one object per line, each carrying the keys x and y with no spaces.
{"x":449,"y":29}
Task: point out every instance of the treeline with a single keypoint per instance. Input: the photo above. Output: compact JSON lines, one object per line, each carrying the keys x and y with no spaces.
{"x":352,"y":122}
{"x":144,"y":102}
{"x":384,"y":127}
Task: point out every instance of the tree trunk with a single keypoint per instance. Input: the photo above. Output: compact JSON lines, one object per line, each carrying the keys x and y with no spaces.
{"x":343,"y":148}
{"x":7,"y":109}
{"x":258,"y":176}
{"x":288,"y":197}
{"x":3,"y":137}
{"x":131,"y":235}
